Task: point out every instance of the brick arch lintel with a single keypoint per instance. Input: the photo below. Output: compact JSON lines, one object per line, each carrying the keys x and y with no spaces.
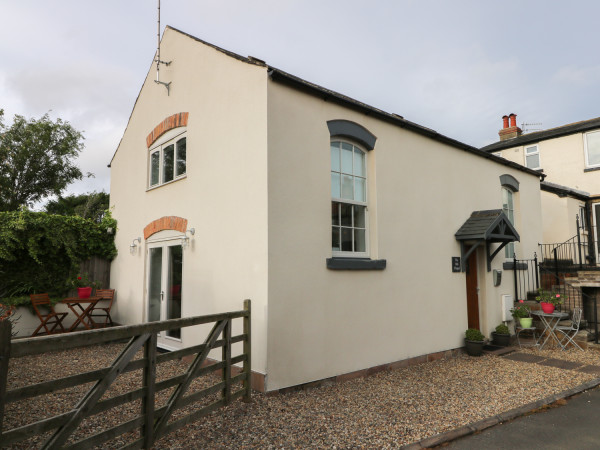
{"x":174,"y":121}
{"x":165,"y":223}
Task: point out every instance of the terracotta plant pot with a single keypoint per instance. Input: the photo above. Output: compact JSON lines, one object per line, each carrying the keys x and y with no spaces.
{"x":548,"y":308}
{"x":84,"y":292}
{"x":526,"y":322}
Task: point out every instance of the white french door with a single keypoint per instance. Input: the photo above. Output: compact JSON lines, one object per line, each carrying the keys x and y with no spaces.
{"x":164,"y":287}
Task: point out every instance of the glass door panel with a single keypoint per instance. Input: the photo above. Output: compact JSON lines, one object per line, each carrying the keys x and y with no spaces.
{"x":154,"y":283}
{"x":174,"y":277}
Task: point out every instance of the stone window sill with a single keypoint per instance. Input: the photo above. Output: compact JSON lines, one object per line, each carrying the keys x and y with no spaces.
{"x":355,"y":264}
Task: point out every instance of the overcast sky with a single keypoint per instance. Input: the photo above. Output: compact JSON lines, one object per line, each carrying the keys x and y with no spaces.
{"x":454,"y":66}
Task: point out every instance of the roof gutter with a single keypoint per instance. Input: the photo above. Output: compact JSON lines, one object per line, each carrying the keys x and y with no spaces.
{"x":329,"y":95}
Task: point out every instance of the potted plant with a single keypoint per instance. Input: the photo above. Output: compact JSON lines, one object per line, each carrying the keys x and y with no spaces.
{"x":501,"y":336}
{"x":549,"y":300}
{"x":474,"y":341}
{"x":84,"y":285}
{"x":522,"y":314}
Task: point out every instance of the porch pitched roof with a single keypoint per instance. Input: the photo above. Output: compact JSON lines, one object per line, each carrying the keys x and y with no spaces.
{"x":485,"y":227}
{"x":490,"y":225}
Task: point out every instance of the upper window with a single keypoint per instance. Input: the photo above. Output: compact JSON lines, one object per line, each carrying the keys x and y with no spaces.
{"x":167,"y":161}
{"x":348,"y":200}
{"x":508,"y":208}
{"x":592,"y":149}
{"x":532,"y":157}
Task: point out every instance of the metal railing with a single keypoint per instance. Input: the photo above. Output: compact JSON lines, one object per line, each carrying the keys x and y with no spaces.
{"x":526,"y":278}
{"x":575,"y":253}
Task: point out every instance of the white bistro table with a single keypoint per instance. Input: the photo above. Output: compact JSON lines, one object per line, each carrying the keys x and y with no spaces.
{"x":550,"y":322}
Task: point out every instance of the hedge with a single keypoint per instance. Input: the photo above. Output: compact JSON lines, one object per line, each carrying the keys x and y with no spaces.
{"x":40,"y":252}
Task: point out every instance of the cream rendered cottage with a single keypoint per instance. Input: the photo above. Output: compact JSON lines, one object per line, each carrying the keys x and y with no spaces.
{"x":342,"y":223}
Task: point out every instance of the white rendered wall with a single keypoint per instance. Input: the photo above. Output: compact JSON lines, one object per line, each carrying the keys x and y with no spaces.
{"x":224,"y":195}
{"x":324,"y":323}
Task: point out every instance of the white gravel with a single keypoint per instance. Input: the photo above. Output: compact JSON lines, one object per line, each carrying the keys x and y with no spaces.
{"x":386,"y":410}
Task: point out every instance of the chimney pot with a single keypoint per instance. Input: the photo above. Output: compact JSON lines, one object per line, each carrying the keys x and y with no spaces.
{"x":513,"y":119}
{"x":504,"y":122}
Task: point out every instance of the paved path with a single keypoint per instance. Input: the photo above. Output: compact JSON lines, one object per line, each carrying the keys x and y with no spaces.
{"x":574,"y":426}
{"x":572,"y":423}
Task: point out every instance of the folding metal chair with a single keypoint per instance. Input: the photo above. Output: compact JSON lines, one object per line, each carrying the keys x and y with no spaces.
{"x":569,"y":332}
{"x":103,"y":311}
{"x":519,"y":330}
{"x":52,"y":318}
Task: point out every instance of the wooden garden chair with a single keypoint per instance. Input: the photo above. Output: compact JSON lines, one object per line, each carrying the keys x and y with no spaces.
{"x":103,"y":311}
{"x":51,"y":318}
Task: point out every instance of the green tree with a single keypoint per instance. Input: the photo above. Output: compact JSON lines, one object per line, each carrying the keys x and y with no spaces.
{"x":92,"y":205}
{"x":36,"y":160}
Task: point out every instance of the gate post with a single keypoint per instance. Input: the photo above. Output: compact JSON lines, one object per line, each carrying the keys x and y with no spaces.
{"x":5,"y":336}
{"x":226,"y":357}
{"x":248,"y":352}
{"x":579,"y":242}
{"x":149,"y":384}
{"x":515,"y":273}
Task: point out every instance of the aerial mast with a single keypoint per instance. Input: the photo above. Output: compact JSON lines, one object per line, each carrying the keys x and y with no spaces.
{"x":158,"y":60}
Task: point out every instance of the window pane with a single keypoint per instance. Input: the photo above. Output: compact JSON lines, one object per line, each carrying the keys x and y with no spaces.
{"x":359,"y":190}
{"x":174,"y":276}
{"x":593,"y":148}
{"x":335,"y":156}
{"x":346,"y":239}
{"x":531,"y":149}
{"x":359,"y":241}
{"x":154,"y":168}
{"x":533,"y":161}
{"x":335,"y":213}
{"x":335,"y":239}
{"x":347,"y":188}
{"x":346,"y":215}
{"x":154,"y":283}
{"x":359,"y":163}
{"x":359,"y":216}
{"x":335,"y":185}
{"x":346,"y":158}
{"x":168,"y":156}
{"x":181,"y":150}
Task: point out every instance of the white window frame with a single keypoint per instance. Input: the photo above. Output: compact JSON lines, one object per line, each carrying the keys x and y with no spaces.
{"x":585,"y":147}
{"x":510,"y":247}
{"x":535,"y":152}
{"x":171,"y":137}
{"x":353,"y":254}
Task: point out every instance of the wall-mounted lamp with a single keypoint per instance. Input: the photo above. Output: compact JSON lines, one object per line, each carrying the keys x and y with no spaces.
{"x":185,"y":240}
{"x":133,"y":245}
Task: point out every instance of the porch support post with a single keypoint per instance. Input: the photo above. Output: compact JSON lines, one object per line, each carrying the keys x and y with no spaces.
{"x":493,"y":255}
{"x":464,"y":256}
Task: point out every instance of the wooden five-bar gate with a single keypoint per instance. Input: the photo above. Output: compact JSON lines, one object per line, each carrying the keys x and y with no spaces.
{"x":151,"y":422}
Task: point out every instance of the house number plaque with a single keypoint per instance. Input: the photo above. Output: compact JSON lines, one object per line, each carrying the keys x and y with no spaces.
{"x":456,"y":264}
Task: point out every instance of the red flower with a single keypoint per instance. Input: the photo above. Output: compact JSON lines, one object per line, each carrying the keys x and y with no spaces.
{"x":557,"y":295}
{"x":79,"y":278}
{"x":521,"y":301}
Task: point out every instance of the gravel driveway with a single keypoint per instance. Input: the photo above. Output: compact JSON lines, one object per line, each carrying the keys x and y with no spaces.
{"x":386,"y":410}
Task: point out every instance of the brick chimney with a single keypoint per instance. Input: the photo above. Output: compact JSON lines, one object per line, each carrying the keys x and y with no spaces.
{"x":512,"y":131}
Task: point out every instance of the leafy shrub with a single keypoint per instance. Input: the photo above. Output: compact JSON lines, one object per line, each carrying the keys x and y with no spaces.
{"x":472,"y":334}
{"x":502,"y":329}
